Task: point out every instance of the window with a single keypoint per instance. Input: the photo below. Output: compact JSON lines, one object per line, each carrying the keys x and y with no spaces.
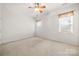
{"x":39,"y":23}
{"x":66,"y":22}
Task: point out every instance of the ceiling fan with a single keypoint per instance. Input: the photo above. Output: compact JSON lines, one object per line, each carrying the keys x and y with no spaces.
{"x":38,"y":7}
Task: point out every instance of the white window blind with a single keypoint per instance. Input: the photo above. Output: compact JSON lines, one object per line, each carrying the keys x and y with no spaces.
{"x":66,"y":22}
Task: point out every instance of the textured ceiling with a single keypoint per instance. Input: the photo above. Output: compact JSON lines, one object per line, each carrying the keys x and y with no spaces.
{"x":49,"y":7}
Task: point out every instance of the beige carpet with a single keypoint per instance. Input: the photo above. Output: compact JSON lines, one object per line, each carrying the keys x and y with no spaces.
{"x":38,"y":47}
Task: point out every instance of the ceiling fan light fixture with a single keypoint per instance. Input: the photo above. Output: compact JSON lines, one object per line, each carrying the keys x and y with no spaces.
{"x":39,"y":10}
{"x":36,"y":9}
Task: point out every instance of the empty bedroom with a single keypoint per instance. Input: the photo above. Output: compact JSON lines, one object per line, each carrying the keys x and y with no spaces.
{"x":39,"y":29}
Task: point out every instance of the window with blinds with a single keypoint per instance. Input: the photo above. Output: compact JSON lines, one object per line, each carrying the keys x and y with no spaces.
{"x":66,"y":22}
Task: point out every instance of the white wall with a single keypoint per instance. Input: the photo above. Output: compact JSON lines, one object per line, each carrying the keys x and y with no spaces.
{"x":50,"y":28}
{"x":17,"y":24}
{"x":0,"y":23}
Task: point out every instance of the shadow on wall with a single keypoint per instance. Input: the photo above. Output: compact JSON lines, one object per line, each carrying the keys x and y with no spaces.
{"x":78,"y":45}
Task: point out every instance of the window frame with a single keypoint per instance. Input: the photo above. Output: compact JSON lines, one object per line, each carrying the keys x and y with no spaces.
{"x":60,"y":21}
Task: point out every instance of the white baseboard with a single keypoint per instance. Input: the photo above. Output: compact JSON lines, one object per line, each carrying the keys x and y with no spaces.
{"x":58,"y":41}
{"x":8,"y":40}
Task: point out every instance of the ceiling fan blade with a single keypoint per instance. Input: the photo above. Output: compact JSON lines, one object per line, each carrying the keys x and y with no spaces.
{"x":38,"y":7}
{"x":31,"y":7}
{"x":42,"y":6}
